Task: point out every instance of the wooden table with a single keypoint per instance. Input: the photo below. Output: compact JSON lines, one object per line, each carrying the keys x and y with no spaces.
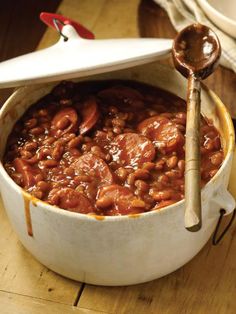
{"x":207,"y":284}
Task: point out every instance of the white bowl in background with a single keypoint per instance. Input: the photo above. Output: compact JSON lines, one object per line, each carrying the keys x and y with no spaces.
{"x":222,"y":13}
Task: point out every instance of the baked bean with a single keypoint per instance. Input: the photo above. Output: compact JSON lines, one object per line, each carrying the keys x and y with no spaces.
{"x":152,"y":113}
{"x":75,"y":142}
{"x":213,"y":172}
{"x":109,"y":148}
{"x":26,"y":154}
{"x":43,"y":153}
{"x":209,"y":145}
{"x":117,"y":130}
{"x":83,"y":178}
{"x":31,"y":123}
{"x":174,"y":174}
{"x":75,"y":152}
{"x":43,"y":186}
{"x":117,"y":122}
{"x":171,"y":162}
{"x":17,"y":177}
{"x":163,"y":179}
{"x":87,"y":147}
{"x":43,"y":113}
{"x":104,"y":202}
{"x":49,"y":140}
{"x":149,"y":165}
{"x":141,"y":185}
{"x":217,"y":143}
{"x":32,"y":160}
{"x":108,"y":157}
{"x":168,"y":115}
{"x":96,"y":150}
{"x":122,"y":173}
{"x":113,"y":109}
{"x":216,"y":158}
{"x":181,"y":115}
{"x":138,"y":174}
{"x":57,"y":151}
{"x":65,"y":120}
{"x":65,"y":102}
{"x":87,"y":139}
{"x":128,"y":130}
{"x":122,"y":115}
{"x":108,"y":122}
{"x":138,"y":203}
{"x":37,"y":131}
{"x":38,"y":194}
{"x":164,"y":204}
{"x":63,"y":123}
{"x":181,"y":165}
{"x":30,"y":146}
{"x":160,"y":164}
{"x":48,"y":163}
{"x":181,"y":128}
{"x":161,"y":195}
{"x":69,"y":172}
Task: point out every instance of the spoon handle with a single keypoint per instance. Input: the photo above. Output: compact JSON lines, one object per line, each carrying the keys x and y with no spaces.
{"x":192,"y":157}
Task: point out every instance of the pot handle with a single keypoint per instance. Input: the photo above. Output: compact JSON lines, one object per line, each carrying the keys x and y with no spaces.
{"x":224,"y":199}
{"x":226,"y":202}
{"x":217,"y":238}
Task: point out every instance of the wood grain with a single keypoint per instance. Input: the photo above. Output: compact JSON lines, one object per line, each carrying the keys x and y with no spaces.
{"x":193,"y":211}
{"x":20,"y":273}
{"x":19,"y":304}
{"x":204,"y":285}
{"x":21,"y":29}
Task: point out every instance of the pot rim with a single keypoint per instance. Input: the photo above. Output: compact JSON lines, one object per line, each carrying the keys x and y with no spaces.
{"x":93,"y":217}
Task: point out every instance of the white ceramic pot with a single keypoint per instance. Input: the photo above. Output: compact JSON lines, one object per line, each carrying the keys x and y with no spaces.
{"x":120,"y":250}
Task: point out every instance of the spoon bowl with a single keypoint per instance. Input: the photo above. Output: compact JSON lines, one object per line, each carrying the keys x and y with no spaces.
{"x":196,"y":50}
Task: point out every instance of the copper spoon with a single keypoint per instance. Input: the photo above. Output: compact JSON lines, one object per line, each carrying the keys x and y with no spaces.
{"x":196,"y":52}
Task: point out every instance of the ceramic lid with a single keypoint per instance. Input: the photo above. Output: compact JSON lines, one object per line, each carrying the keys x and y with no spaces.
{"x":79,"y":57}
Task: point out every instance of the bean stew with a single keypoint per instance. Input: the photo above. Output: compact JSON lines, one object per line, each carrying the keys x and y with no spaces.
{"x":107,"y":148}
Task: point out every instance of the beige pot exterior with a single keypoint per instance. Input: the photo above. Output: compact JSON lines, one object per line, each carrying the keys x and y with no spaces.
{"x":120,"y":250}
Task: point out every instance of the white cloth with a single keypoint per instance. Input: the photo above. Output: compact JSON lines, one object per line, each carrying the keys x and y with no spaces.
{"x":185,"y":12}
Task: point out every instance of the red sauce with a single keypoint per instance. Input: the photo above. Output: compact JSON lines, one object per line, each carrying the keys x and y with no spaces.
{"x":106,"y":148}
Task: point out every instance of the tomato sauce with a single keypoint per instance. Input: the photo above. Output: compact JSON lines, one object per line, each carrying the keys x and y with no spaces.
{"x":107,"y":148}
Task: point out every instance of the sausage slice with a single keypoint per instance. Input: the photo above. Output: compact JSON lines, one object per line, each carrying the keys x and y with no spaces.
{"x":27,"y":171}
{"x":69,"y":199}
{"x":161,"y":130}
{"x":116,"y":199}
{"x":132,"y":149}
{"x":90,"y":115}
{"x":94,"y":167}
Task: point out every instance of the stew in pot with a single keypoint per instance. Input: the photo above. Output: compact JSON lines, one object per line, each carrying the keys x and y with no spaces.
{"x":107,"y":148}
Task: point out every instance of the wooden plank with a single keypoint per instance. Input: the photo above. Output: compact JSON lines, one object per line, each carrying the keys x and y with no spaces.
{"x":19,"y":304}
{"x":17,"y":35}
{"x":106,"y":18}
{"x":204,"y":285}
{"x":21,"y":273}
